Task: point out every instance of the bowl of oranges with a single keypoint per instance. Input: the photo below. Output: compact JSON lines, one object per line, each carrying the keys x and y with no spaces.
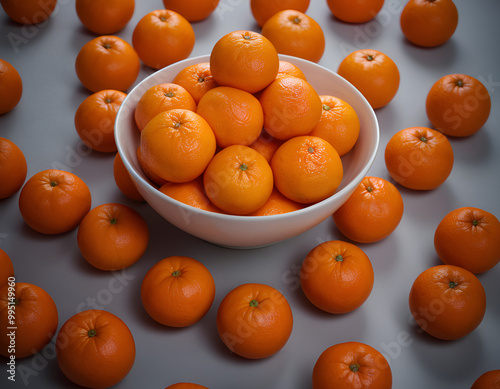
{"x":242,"y":161}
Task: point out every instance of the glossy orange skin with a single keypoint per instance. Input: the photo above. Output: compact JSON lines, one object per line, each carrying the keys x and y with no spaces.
{"x":104,"y":18}
{"x":185,"y":385}
{"x":112,"y":236}
{"x":376,"y":78}
{"x":178,"y":291}
{"x":372,"y":212}
{"x":458,"y":105}
{"x":295,"y":33}
{"x":289,"y":69}
{"x":29,"y":11}
{"x":177,"y":145}
{"x":419,"y":158}
{"x":277,"y":204}
{"x":291,"y":107}
{"x":238,"y":180}
{"x":245,"y":60}
{"x":13,"y":168}
{"x":333,"y":368}
{"x":95,"y":119}
{"x":337,"y":277}
{"x":192,"y":10}
{"x":161,"y":98}
{"x":338,"y":125}
{"x":196,"y":79}
{"x":448,"y":302}
{"x":36,"y":319}
{"x":487,"y":380}
{"x":98,"y":361}
{"x":6,"y":268}
{"x":307,"y":169}
{"x":124,"y":181}
{"x":254,"y":332}
{"x":429,"y":23}
{"x":266,"y":145}
{"x":355,"y":11}
{"x":107,"y":62}
{"x":191,"y":193}
{"x":163,"y":37}
{"x":470,"y":238}
{"x":155,"y":178}
{"x":262,"y":10}
{"x":235,"y":116}
{"x":54,"y":201}
{"x":11,"y":87}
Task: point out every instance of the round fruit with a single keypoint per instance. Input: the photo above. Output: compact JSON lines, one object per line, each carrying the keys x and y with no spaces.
{"x":448,"y":302}
{"x":11,"y":87}
{"x":487,"y":380}
{"x":419,"y":158}
{"x":191,"y":193}
{"x":6,"y":268}
{"x":13,"y":168}
{"x":177,"y":291}
{"x":192,"y":10}
{"x":54,"y":201}
{"x":254,"y":320}
{"x":262,"y":10}
{"x":104,"y":18}
{"x":336,"y":276}
{"x":355,"y":11}
{"x":29,"y":11}
{"x":196,"y":79}
{"x":372,"y":212}
{"x":470,"y":238}
{"x":124,"y":181}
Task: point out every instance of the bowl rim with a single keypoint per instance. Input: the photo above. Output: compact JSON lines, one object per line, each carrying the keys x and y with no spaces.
{"x":350,"y":186}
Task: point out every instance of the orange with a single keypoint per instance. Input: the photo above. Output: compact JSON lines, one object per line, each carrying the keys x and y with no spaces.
{"x":107,"y":62}
{"x":95,"y":119}
{"x":191,"y":193}
{"x":161,"y":98}
{"x":351,"y":365}
{"x":163,"y":37}
{"x":245,"y":60}
{"x":277,"y":204}
{"x":266,"y":145}
{"x":262,"y":10}
{"x":112,"y":236}
{"x":235,"y":116}
{"x":470,"y":238}
{"x":35,"y":319}
{"x":196,"y":79}
{"x":307,"y":169}
{"x":238,"y":180}
{"x":192,"y":10}
{"x":124,"y":181}
{"x":355,"y":11}
{"x":294,"y":33}
{"x":185,"y":385}
{"x":95,"y":349}
{"x":458,"y":105}
{"x":29,"y":11}
{"x":13,"y":168}
{"x":373,"y":73}
{"x":155,"y":178}
{"x":488,"y":380}
{"x":448,"y":302}
{"x":291,"y":107}
{"x":177,"y":291}
{"x":54,"y":201}
{"x":11,"y":87}
{"x":372,"y":212}
{"x":338,"y":125}
{"x":104,"y":18}
{"x":337,"y":277}
{"x":177,"y":145}
{"x":254,"y":320}
{"x":429,"y":23}
{"x":289,"y":69}
{"x":419,"y":158}
{"x":6,"y":268}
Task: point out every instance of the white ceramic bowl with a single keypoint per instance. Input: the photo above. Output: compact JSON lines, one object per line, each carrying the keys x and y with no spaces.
{"x":251,"y":231}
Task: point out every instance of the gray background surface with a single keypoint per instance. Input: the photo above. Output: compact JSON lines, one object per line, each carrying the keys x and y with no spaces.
{"x":42,"y":126}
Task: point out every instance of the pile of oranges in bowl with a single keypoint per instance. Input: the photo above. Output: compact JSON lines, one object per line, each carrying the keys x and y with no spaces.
{"x":245,"y":147}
